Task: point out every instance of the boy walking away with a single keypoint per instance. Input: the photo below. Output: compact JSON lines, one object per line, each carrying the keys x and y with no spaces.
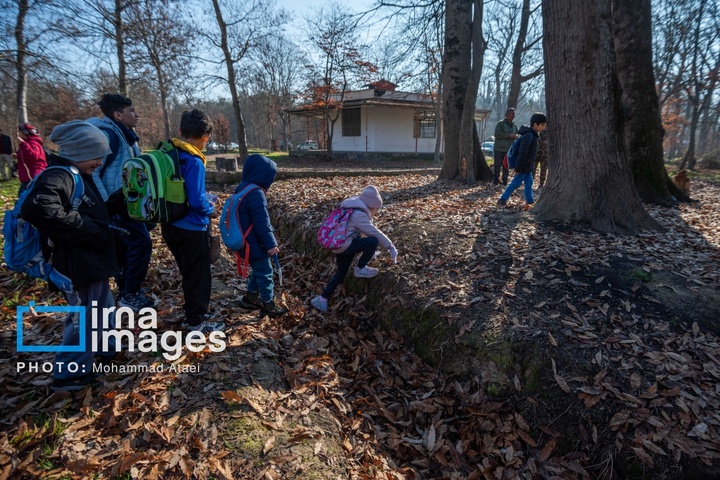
{"x":82,"y":242}
{"x":365,"y":206}
{"x":134,"y":245}
{"x":6,"y":159}
{"x":30,"y":155}
{"x":254,"y":218}
{"x":525,"y":163}
{"x":188,"y":238}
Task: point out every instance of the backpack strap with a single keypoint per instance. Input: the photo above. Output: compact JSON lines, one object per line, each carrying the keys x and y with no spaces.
{"x":78,"y":194}
{"x":114,"y":142}
{"x":172,"y":152}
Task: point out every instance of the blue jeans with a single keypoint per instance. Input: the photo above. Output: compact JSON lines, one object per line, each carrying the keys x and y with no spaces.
{"x":519,"y":178}
{"x":100,"y":292}
{"x":134,"y":251}
{"x":366,"y":245}
{"x":261,"y":279}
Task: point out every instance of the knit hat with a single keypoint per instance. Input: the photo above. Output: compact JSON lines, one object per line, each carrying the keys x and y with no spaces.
{"x":79,"y":141}
{"x":371,"y":197}
{"x":27,"y":129}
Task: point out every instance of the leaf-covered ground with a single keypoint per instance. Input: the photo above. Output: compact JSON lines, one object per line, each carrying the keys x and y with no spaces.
{"x":556,"y":352}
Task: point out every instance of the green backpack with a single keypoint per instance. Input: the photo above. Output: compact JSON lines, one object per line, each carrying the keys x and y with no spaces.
{"x":152,"y":186}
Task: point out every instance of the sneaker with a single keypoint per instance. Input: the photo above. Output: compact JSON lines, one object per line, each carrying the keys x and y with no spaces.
{"x":502,"y":202}
{"x":272,"y":310}
{"x":365,"y":272}
{"x":320,"y":303}
{"x":135,"y":301}
{"x":73,"y":384}
{"x":250,"y":301}
{"x":206,"y":327}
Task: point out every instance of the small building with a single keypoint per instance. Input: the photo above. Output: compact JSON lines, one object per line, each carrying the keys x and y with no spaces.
{"x":380,"y":119}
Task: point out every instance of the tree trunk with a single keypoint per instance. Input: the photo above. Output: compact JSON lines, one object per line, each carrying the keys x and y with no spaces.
{"x":591,"y":180}
{"x":632,"y":34}
{"x":483,"y":172}
{"x":455,"y":75}
{"x":467,"y":127}
{"x":232,"y":83}
{"x":688,"y":160}
{"x":20,"y":68}
{"x":515,"y":80}
{"x":120,"y":44}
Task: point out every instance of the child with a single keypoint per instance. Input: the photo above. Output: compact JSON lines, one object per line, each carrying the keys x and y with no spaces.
{"x":253,"y":212}
{"x":188,"y":238}
{"x":359,"y":223}
{"x":83,"y":246}
{"x":525,"y":164}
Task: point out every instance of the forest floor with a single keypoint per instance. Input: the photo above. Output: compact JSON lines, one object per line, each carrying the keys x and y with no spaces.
{"x":497,"y":347}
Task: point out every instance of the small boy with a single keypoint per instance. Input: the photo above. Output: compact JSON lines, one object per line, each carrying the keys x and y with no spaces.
{"x":82,"y":242}
{"x":253,"y":212}
{"x":188,"y":238}
{"x":525,"y":164}
{"x":365,"y":206}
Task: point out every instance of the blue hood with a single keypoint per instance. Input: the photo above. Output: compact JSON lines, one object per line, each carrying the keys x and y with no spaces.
{"x":259,"y":170}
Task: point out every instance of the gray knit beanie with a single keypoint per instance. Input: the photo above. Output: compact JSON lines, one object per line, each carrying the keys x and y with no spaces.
{"x":79,"y":141}
{"x":371,"y":197}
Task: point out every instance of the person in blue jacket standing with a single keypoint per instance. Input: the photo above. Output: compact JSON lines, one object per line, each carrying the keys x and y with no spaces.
{"x":188,"y":238}
{"x":253,"y":211}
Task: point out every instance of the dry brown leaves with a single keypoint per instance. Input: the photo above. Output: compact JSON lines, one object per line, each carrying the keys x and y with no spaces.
{"x":337,"y":394}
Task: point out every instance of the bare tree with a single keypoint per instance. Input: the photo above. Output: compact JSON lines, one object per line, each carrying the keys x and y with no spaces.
{"x":522,"y":47}
{"x":159,"y":46}
{"x":240,"y":26}
{"x":591,"y":180}
{"x":632,"y":33}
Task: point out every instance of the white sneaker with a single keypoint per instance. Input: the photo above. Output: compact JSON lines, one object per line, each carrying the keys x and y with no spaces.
{"x":365,"y":272}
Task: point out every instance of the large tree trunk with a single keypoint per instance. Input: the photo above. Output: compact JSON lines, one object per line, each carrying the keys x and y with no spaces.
{"x":590,"y":180}
{"x":20,"y":68}
{"x":455,"y":75}
{"x":632,"y":33}
{"x":232,"y":82}
{"x":467,"y":125}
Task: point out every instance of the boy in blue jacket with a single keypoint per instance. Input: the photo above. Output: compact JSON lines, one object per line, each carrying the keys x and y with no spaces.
{"x":253,"y":211}
{"x":188,"y":238}
{"x":525,"y":165}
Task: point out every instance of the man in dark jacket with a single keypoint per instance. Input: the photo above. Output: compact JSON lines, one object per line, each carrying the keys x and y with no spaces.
{"x":506,"y":131}
{"x":82,"y":243}
{"x":6,"y":159}
{"x":525,"y":163}
{"x":253,"y":211}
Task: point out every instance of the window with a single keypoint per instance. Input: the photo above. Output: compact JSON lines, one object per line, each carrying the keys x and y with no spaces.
{"x":424,"y":125}
{"x":351,"y":122}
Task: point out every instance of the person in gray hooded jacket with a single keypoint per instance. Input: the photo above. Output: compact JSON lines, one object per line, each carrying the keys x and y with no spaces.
{"x":362,"y":237}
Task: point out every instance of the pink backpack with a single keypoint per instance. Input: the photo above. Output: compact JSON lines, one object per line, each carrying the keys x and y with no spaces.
{"x":333,"y":231}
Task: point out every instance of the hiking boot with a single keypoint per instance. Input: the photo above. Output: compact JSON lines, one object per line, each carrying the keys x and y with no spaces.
{"x":365,"y":272}
{"x":272,"y":310}
{"x":501,"y":202}
{"x":205,"y":327}
{"x":320,"y":303}
{"x":73,"y":384}
{"x":250,"y":301}
{"x":135,"y":301}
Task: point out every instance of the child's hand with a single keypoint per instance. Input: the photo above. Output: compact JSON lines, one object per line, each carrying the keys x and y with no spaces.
{"x":393,"y":253}
{"x":273,"y":251}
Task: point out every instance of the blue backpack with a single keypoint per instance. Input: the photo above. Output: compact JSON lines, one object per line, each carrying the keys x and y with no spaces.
{"x":231,"y":231}
{"x":512,"y":153}
{"x":23,"y":250}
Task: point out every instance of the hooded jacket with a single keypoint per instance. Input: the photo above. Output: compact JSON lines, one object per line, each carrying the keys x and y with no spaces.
{"x":258,"y":170}
{"x":360,"y":223}
{"x":527,"y":149}
{"x":83,"y":244}
{"x":108,"y":178}
{"x":31,"y":158}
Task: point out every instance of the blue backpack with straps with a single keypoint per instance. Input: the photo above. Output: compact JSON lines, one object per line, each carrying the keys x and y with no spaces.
{"x":231,"y":231}
{"x":23,"y":248}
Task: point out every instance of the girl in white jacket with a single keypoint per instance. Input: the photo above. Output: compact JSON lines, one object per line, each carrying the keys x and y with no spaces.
{"x":362,"y":237}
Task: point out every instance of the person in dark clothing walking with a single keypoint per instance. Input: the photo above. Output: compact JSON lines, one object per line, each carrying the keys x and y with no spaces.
{"x":6,"y":156}
{"x":82,"y":242}
{"x":506,"y":131}
{"x":525,"y":163}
